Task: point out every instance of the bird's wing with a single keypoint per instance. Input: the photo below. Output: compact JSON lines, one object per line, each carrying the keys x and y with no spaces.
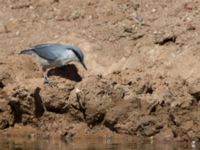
{"x":50,"y":52}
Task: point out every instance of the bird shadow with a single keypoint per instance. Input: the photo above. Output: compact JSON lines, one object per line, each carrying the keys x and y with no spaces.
{"x":69,"y":71}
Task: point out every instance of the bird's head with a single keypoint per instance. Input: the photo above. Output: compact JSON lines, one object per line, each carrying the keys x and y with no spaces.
{"x":79,"y":54}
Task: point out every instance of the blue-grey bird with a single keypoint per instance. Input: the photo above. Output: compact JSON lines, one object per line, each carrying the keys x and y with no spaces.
{"x":55,"y":55}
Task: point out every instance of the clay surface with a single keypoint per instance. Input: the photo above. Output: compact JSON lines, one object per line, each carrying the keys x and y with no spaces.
{"x":143,"y":69}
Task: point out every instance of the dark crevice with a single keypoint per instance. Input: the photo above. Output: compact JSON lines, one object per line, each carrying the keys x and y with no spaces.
{"x":96,"y":119}
{"x":196,"y":95}
{"x":16,"y":111}
{"x":172,"y":119}
{"x":152,"y":110}
{"x":62,"y":108}
{"x":67,"y":136}
{"x":147,"y":89}
{"x":4,"y":124}
{"x":81,"y":106}
{"x":1,"y":85}
{"x":164,"y":40}
{"x":110,"y":125}
{"x":69,"y":71}
{"x":169,"y":39}
{"x":39,"y":108}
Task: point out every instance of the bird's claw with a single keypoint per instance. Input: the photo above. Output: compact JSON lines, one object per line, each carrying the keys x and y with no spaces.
{"x":49,"y":82}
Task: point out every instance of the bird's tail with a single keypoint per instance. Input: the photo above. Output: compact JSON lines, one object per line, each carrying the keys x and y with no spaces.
{"x":27,"y":51}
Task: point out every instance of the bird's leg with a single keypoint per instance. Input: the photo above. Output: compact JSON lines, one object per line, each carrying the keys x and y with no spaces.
{"x":46,"y":79}
{"x":45,"y":75}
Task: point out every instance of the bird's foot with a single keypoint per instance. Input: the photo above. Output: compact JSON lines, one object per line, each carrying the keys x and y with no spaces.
{"x":49,"y":82}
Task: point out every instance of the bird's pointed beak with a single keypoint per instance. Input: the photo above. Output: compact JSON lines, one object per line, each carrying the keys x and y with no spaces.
{"x":84,"y":66}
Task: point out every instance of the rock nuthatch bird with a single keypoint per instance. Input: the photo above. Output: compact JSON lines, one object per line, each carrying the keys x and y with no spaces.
{"x":55,"y":55}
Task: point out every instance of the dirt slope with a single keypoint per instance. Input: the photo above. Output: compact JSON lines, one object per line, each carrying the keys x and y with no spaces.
{"x":143,"y":59}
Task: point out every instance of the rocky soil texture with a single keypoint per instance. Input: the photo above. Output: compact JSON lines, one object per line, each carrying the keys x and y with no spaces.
{"x":143,"y":68}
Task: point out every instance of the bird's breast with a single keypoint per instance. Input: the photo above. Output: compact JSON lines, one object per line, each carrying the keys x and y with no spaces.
{"x":61,"y":60}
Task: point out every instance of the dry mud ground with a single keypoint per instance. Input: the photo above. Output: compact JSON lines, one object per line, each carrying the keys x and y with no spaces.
{"x":143,"y":78}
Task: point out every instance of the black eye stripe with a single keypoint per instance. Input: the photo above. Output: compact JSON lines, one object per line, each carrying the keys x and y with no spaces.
{"x":77,"y":55}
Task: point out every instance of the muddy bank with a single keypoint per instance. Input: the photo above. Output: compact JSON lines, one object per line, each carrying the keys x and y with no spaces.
{"x":143,"y":68}
{"x":128,"y":102}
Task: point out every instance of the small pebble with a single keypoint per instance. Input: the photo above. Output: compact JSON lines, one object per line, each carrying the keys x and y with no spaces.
{"x":193,"y":144}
